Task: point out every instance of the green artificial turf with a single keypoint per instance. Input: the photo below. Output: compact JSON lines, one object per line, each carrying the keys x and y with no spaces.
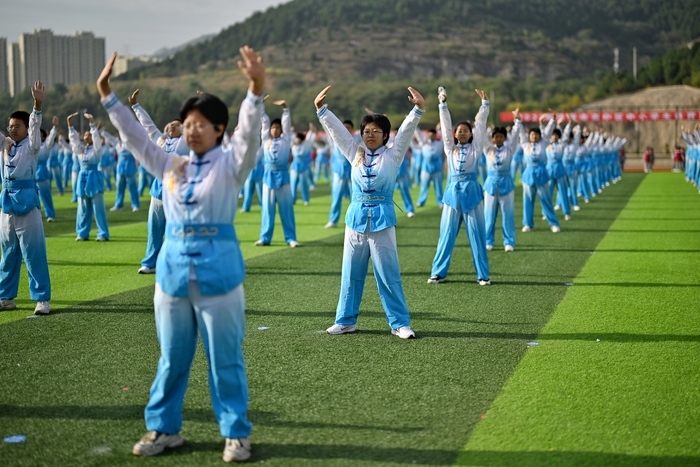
{"x":75,"y":383}
{"x":614,"y":379}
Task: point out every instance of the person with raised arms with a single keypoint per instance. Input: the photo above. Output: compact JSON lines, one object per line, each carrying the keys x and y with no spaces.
{"x":200,"y":269}
{"x":370,"y":221}
{"x":21,"y":229}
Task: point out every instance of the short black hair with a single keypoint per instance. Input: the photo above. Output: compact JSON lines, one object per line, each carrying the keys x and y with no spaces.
{"x":21,"y":115}
{"x":301,"y":135}
{"x":211,"y":107}
{"x":500,"y":130}
{"x":44,"y":134}
{"x":349,"y":122}
{"x":381,"y":121}
{"x":276,"y":121}
{"x":557,"y":132}
{"x":535,"y":130}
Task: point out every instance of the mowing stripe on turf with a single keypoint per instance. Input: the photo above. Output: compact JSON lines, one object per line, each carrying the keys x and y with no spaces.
{"x":614,"y":377}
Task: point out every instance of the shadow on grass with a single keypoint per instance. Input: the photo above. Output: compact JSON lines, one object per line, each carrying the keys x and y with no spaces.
{"x":201,"y":415}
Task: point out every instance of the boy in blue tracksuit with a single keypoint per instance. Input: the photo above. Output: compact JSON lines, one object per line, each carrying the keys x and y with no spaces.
{"x":276,"y":141}
{"x":21,"y":228}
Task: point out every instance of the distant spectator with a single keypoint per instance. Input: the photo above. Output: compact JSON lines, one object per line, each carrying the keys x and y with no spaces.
{"x":677,"y":159}
{"x":623,"y":157}
{"x":649,"y":160}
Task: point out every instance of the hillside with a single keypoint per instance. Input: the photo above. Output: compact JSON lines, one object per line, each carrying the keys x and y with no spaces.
{"x":542,"y":39}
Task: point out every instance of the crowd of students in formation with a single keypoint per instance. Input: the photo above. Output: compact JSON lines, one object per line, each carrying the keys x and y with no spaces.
{"x":196,"y":172}
{"x":689,"y":162}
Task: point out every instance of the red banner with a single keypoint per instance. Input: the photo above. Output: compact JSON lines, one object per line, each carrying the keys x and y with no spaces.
{"x":611,"y":117}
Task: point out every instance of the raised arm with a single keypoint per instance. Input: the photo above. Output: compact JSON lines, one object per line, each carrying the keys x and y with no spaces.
{"x":482,"y":115}
{"x":336,"y":131}
{"x":144,"y":119}
{"x":34,"y":129}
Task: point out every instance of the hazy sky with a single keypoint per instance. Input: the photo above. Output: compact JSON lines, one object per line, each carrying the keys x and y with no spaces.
{"x":129,"y":26}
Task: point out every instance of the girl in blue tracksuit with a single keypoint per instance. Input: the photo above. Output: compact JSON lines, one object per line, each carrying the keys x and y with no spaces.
{"x":535,"y":178}
{"x":301,"y":162}
{"x":43,"y":172}
{"x":200,"y":272}
{"x":89,"y":187}
{"x":463,"y":198}
{"x":556,"y":170}
{"x":370,"y":220}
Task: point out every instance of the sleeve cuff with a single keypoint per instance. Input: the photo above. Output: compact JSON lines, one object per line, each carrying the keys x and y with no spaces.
{"x":320,"y":112}
{"x":253,"y":98}
{"x":418,"y":111}
{"x":109,"y":101}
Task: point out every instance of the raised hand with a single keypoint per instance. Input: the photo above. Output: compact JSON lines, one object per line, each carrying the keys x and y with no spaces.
{"x":318,"y":101}
{"x":90,"y":118}
{"x":442,"y":94}
{"x":54,"y":121}
{"x":482,"y":94}
{"x":516,"y":114}
{"x":103,"y":80}
{"x":282,"y":103}
{"x":312,"y":127}
{"x":416,"y":98}
{"x":368,"y":111}
{"x":38,"y":94}
{"x":133,"y":98}
{"x":253,"y":68}
{"x":71,"y":117}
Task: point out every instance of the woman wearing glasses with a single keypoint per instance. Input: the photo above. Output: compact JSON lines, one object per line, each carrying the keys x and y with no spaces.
{"x":200,"y":269}
{"x":370,"y":219}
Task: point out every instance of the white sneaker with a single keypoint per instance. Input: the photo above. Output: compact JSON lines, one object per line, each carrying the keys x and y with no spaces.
{"x":135,"y":209}
{"x":260,"y":243}
{"x":331,"y":225}
{"x":8,"y":304}
{"x":436,"y":280}
{"x":340,"y":329}
{"x":42,"y":308}
{"x":556,"y":207}
{"x":544,"y":218}
{"x":489,"y":247}
{"x":555,"y":228}
{"x":80,"y":239}
{"x":114,"y":208}
{"x":293,"y":244}
{"x":306,"y":203}
{"x":484,"y":281}
{"x":577,"y":208}
{"x":526,"y":228}
{"x":509,"y":248}
{"x":312,"y":187}
{"x":154,"y":443}
{"x":50,"y":219}
{"x":567,"y":217}
{"x":237,"y":450}
{"x":411,"y":214}
{"x":404,"y":332}
{"x":146,"y":270}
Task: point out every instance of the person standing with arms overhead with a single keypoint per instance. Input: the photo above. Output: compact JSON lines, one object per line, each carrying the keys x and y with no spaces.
{"x":200,"y":272}
{"x":89,"y":186}
{"x":172,"y":142}
{"x":370,"y":219}
{"x":535,"y":178}
{"x":299,"y":171}
{"x":276,"y":141}
{"x":431,"y":149}
{"x":499,"y":188}
{"x":463,"y":200}
{"x":21,"y":228}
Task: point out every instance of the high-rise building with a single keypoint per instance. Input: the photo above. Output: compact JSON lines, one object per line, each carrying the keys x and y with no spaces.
{"x":4,"y":75}
{"x":55,"y":59}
